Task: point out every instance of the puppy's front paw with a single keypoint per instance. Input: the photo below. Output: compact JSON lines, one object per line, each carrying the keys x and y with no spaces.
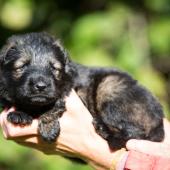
{"x":20,"y":118}
{"x":48,"y":129}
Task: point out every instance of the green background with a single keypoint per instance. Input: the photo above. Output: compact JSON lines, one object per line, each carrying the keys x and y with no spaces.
{"x":131,"y":35}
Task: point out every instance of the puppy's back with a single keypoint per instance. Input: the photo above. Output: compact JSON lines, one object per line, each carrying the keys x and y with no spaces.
{"x":121,"y":108}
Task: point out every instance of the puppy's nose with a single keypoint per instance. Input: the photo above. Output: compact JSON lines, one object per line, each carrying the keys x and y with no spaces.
{"x":40,"y":86}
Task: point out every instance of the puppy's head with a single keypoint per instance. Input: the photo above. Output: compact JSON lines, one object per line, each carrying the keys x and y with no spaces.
{"x":33,"y":69}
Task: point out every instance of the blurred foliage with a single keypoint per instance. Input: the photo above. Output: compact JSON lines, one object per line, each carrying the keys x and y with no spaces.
{"x":131,"y":35}
{"x":15,"y":157}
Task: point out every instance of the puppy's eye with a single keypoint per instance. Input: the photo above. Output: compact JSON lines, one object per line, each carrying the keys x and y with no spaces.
{"x":56,"y":71}
{"x":18,"y":71}
{"x":56,"y":66}
{"x":20,"y":68}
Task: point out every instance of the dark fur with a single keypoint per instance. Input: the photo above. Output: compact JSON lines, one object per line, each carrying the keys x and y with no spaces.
{"x":36,"y":75}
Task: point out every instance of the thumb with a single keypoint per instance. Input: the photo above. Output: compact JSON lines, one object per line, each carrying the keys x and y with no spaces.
{"x":148,"y":147}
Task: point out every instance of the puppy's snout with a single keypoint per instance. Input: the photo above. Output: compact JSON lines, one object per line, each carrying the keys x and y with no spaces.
{"x":40,"y":86}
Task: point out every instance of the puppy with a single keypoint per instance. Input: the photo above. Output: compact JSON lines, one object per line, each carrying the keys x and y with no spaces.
{"x":36,"y":74}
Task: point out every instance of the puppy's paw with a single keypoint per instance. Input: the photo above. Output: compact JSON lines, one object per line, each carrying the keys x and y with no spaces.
{"x":49,"y":129}
{"x":60,"y":104}
{"x":20,"y":118}
{"x":100,"y":128}
{"x":59,"y":108}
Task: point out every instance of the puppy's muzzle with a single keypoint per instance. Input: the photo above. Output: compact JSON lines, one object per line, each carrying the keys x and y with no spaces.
{"x":38,"y":84}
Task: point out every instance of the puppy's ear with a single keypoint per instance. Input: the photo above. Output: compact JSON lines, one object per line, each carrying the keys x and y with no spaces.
{"x":9,"y":51}
{"x":3,"y":89}
{"x":7,"y":54}
{"x":59,"y":45}
{"x":69,"y":68}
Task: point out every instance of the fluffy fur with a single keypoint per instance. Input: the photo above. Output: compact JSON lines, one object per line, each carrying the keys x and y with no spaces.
{"x":36,"y":74}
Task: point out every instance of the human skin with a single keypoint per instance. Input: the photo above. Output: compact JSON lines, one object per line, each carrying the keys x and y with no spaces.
{"x":78,"y":137}
{"x":161,"y":149}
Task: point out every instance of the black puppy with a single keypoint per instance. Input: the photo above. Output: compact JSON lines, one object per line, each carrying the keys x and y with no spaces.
{"x":36,"y":75}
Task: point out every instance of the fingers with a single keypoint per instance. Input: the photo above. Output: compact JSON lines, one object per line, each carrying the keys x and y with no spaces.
{"x":153,"y":148}
{"x":25,"y":135}
{"x":148,"y":147}
{"x":141,"y":145}
{"x":19,"y":131}
{"x":15,"y":131}
{"x":5,"y":112}
{"x":3,"y":121}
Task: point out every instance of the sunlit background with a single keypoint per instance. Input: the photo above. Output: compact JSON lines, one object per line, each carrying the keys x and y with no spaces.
{"x":131,"y":35}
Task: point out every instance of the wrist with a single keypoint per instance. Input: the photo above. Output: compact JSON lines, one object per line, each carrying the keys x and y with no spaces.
{"x":98,"y":154}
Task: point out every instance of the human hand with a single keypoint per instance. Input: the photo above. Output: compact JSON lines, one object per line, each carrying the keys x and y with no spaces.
{"x":153,"y":148}
{"x":77,"y":137}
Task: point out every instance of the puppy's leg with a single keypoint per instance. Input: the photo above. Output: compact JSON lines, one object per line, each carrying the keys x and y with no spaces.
{"x":116,"y":126}
{"x":20,"y":118}
{"x":49,"y":127}
{"x":101,"y":128}
{"x":127,"y":110}
{"x":108,"y":129}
